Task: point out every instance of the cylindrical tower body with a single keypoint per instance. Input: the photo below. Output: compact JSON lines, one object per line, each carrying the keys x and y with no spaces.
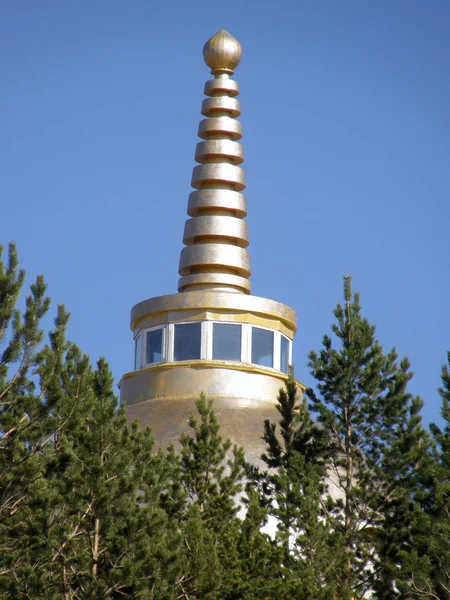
{"x":234,"y":348}
{"x":213,"y":336}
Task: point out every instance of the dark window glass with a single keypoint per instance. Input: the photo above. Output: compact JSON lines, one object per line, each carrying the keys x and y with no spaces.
{"x":226,"y":341}
{"x":262,"y":347}
{"x":154,"y":351}
{"x":137,"y":352}
{"x":284,"y":358}
{"x":187,"y":341}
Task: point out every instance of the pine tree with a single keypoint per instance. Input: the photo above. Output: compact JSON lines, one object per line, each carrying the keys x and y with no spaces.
{"x":207,"y":474}
{"x":427,"y":573}
{"x":26,"y":425}
{"x":99,"y":540}
{"x":211,"y":470}
{"x":76,"y":520}
{"x":377,"y":442}
{"x":407,"y":466}
{"x":251,"y":561}
{"x":295,"y":489}
{"x":22,"y":428}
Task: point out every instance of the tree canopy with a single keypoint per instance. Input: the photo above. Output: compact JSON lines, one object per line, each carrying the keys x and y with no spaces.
{"x":350,"y":499}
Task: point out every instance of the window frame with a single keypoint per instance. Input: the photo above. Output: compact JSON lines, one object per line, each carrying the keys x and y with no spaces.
{"x":138,"y":367}
{"x":163,"y":345}
{"x":210,"y":339}
{"x":203,"y":340}
{"x":250,"y":347}
{"x":289,"y":352}
{"x":143,"y":332}
{"x":206,"y":343}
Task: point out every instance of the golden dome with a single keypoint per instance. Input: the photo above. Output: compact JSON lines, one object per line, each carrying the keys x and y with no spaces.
{"x":222,"y":51}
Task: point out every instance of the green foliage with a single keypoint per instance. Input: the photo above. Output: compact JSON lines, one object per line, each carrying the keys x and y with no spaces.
{"x":206,"y":479}
{"x":210,"y":478}
{"x":24,"y":422}
{"x":427,"y":572}
{"x":101,"y":541}
{"x":72,"y":471}
{"x":357,"y":497}
{"x":376,"y":444}
{"x":251,"y":560}
{"x":26,"y":425}
{"x":294,"y":487}
{"x":226,"y":556}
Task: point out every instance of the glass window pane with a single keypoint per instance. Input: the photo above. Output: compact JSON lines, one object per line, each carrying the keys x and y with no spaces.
{"x":137,"y":352}
{"x":226,"y":341}
{"x":187,"y":341}
{"x":262,"y":347}
{"x":154,"y":346}
{"x":284,"y":358}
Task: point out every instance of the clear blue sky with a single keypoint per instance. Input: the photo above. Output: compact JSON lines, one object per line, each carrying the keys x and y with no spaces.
{"x":346,"y":116}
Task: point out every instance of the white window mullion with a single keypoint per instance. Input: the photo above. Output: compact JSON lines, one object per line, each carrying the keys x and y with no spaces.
{"x":170,"y":339}
{"x":277,"y":350}
{"x":244,"y":343}
{"x":207,"y":337}
{"x":143,"y":347}
{"x":138,"y":351}
{"x":203,"y":340}
{"x":164,"y":344}
{"x":247,"y":337}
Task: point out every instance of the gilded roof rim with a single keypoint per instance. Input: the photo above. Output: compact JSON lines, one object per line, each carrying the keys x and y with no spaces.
{"x":214,"y":300}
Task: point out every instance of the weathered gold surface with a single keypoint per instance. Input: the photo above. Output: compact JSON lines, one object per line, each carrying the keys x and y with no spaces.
{"x":214,"y":269}
{"x":240,"y":420}
{"x":218,"y":173}
{"x":210,"y":106}
{"x":222,"y":86}
{"x":213,"y":300}
{"x":218,"y":282}
{"x":220,"y":126}
{"x":214,"y":259}
{"x":220,"y":226}
{"x":212,"y":200}
{"x":164,"y":397}
{"x":178,"y":316}
{"x":222,"y":258}
{"x":219,"y":149}
{"x":172,"y":380}
{"x":222,"y":51}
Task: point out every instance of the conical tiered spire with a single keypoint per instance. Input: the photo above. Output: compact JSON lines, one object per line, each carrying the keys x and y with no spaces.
{"x":215,"y":336}
{"x":216,"y":235}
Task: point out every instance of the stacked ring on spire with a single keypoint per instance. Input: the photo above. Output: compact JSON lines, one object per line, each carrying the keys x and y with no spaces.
{"x":216,"y":237}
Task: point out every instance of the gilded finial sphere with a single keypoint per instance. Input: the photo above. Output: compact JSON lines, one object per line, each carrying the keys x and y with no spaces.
{"x":222,"y":51}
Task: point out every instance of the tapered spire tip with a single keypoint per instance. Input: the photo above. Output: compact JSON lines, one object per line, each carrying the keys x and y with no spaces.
{"x":215,"y":256}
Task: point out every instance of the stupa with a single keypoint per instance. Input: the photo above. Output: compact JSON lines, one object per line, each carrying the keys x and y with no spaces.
{"x":213,"y":336}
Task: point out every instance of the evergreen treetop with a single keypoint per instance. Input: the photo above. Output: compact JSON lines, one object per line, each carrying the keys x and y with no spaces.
{"x":356,"y":492}
{"x":376,"y":443}
{"x":427,"y":566}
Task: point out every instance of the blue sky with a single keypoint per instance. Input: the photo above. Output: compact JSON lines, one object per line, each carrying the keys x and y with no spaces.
{"x":346,"y":117}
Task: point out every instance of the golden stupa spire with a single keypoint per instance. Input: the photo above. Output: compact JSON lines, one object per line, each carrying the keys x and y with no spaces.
{"x":216,"y":236}
{"x":214,"y":336}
